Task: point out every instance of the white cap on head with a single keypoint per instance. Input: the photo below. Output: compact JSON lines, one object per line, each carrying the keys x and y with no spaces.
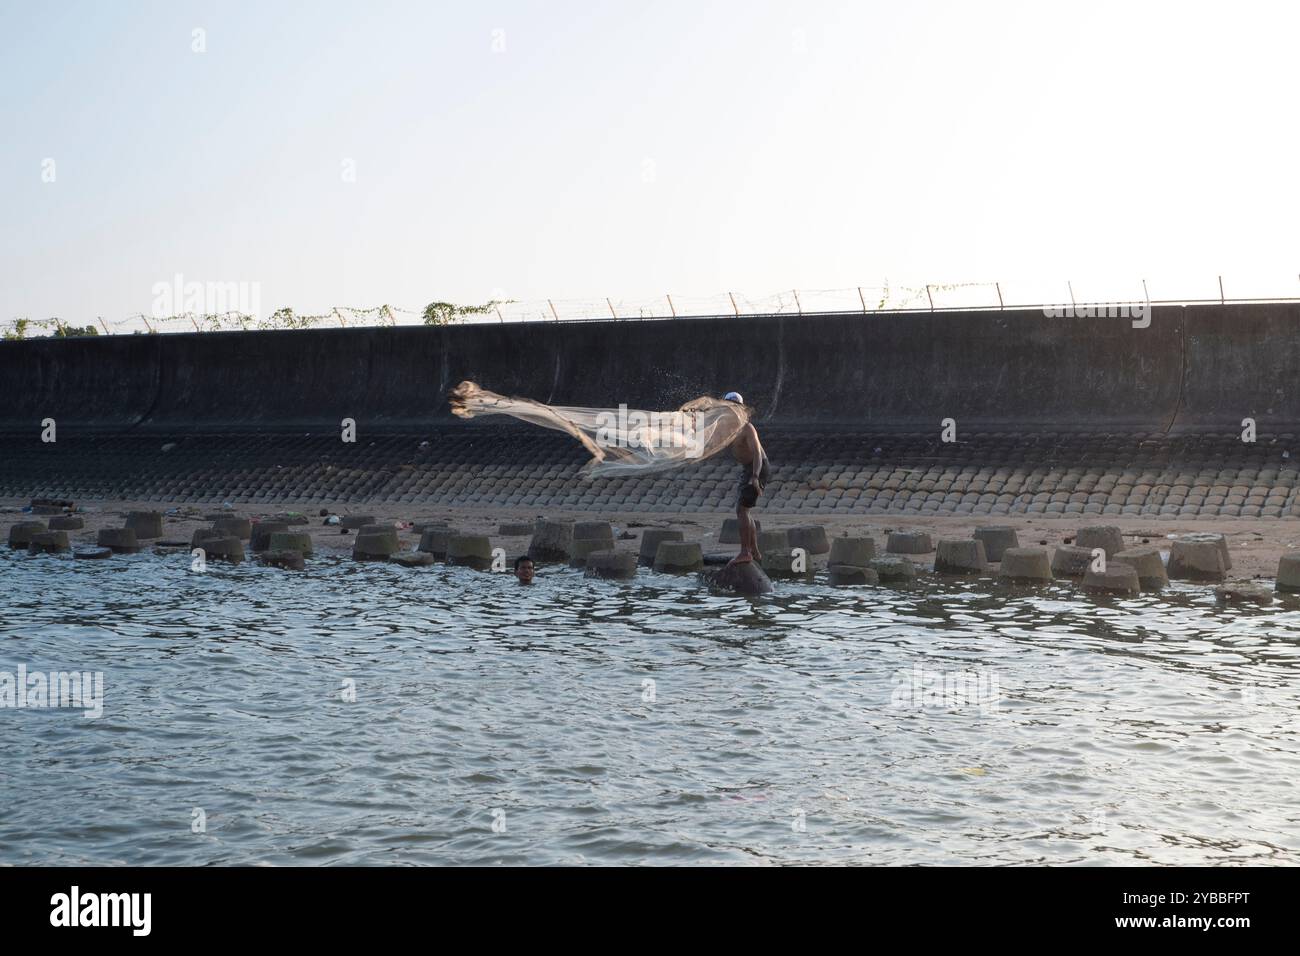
{"x":734,"y":397}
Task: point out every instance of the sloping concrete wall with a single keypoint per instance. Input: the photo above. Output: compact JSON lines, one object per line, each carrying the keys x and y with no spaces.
{"x":1196,"y":368}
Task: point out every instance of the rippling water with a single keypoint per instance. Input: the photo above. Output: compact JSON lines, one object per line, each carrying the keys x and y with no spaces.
{"x":1153,"y":730}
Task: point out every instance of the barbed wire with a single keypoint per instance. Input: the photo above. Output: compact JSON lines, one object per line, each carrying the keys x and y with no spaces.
{"x":975,"y":295}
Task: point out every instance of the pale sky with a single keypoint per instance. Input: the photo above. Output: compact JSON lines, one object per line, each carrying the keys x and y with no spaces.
{"x":574,"y":150}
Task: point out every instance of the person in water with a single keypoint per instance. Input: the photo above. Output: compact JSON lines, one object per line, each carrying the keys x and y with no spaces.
{"x":756,"y":470}
{"x":524,"y":569}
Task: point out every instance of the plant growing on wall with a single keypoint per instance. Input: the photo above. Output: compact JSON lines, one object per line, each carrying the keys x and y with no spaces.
{"x":447,"y":313}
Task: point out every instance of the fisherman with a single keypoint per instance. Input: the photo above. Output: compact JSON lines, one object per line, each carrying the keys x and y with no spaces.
{"x":756,"y":470}
{"x":524,"y":569}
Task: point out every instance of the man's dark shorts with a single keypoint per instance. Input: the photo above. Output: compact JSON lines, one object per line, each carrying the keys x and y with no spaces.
{"x":748,"y":494}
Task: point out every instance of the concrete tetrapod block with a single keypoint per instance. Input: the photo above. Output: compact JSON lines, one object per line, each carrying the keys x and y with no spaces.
{"x":383,"y":530}
{"x":1288,"y":573}
{"x":891,"y":569}
{"x":773,"y":541}
{"x":20,"y":534}
{"x":299,"y":541}
{"x":1025,"y":566}
{"x":236,"y":527}
{"x":262,"y":531}
{"x":746,"y":578}
{"x":355,"y":522}
{"x":1148,"y":564}
{"x":585,"y":546}
{"x":1196,"y":561}
{"x":1242,"y":593}
{"x":811,"y":537}
{"x":145,"y":524}
{"x":1071,"y":561}
{"x":515,"y":529}
{"x":1107,"y":537}
{"x":119,"y":540}
{"x":781,"y":563}
{"x":1217,"y":539}
{"x":854,"y":552}
{"x":1116,"y":579}
{"x":960,"y":556}
{"x":434,"y":541}
{"x":470,"y":551}
{"x":67,"y":523}
{"x":226,"y":548}
{"x":909,"y":542}
{"x":678,"y":557}
{"x":996,"y":539}
{"x":846,"y":575}
{"x":414,"y":559}
{"x":593,"y":530}
{"x":612,"y":565}
{"x":730,"y":533}
{"x":374,"y":547}
{"x":552,"y":541}
{"x":203,"y":534}
{"x":288,"y":559}
{"x":650,"y":539}
{"x":48,"y":542}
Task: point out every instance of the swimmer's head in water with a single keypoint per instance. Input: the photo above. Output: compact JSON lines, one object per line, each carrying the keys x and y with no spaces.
{"x":734,"y":397}
{"x":524,"y":569}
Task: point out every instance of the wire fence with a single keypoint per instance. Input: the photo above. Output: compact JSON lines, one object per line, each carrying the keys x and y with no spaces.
{"x":952,"y":296}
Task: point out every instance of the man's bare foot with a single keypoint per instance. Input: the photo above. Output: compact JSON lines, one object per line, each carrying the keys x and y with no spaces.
{"x":743,"y":558}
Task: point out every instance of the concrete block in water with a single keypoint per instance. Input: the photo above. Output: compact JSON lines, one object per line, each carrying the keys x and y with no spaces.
{"x":67,"y":523}
{"x":909,"y":542}
{"x":119,"y":540}
{"x":1288,"y":573}
{"x":1025,"y":566}
{"x":203,"y":534}
{"x":1104,"y":536}
{"x":854,"y":552}
{"x":996,"y":540}
{"x":414,"y":559}
{"x":593,"y":530}
{"x":746,"y":578}
{"x":145,"y":524}
{"x":92,"y":554}
{"x":377,"y":546}
{"x":893,"y":570}
{"x":48,"y":542}
{"x":552,"y":541}
{"x":780,"y":563}
{"x":811,"y":537}
{"x":385,"y":531}
{"x":960,"y":556}
{"x":730,"y":533}
{"x":585,"y":546}
{"x":1071,"y":561}
{"x":1242,"y":594}
{"x":355,"y":522}
{"x":226,"y":548}
{"x":678,"y":557}
{"x":299,"y":541}
{"x":515,"y":529}
{"x":288,"y":559}
{"x":1196,"y":561}
{"x":434,"y":541}
{"x":845,"y":575}
{"x":650,"y":539}
{"x":234,"y":526}
{"x":1148,"y":564}
{"x":1116,"y":579}
{"x":775,"y":541}
{"x":1217,"y":539}
{"x":262,"y":531}
{"x":470,"y":551}
{"x":614,"y":565}
{"x":20,"y":534}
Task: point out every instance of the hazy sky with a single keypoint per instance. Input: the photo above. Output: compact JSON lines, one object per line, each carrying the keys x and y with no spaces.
{"x":578,"y":150}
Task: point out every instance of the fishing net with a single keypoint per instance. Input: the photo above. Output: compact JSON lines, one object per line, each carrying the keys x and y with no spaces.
{"x":622,"y":441}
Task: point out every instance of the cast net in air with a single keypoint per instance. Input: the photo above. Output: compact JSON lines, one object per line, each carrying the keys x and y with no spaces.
{"x":622,"y":441}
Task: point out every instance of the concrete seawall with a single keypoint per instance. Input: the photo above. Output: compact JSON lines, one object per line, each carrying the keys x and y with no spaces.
{"x":1081,"y":394}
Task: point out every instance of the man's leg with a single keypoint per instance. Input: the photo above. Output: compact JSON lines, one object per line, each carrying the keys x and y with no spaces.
{"x":745,"y":527}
